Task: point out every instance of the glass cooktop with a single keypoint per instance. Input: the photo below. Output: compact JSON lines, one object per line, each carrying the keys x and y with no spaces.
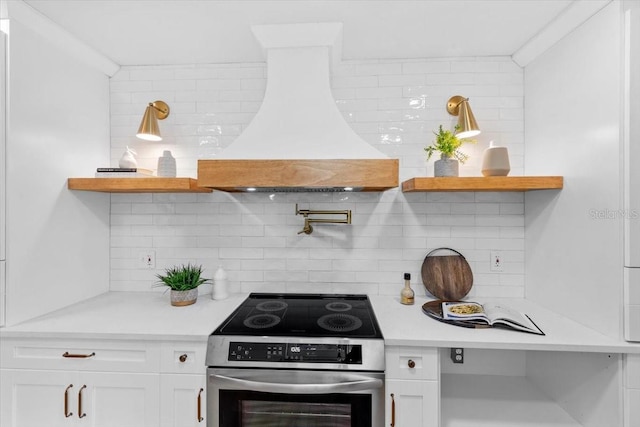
{"x":302,"y":315}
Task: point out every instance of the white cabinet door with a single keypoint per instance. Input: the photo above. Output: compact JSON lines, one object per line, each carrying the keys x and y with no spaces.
{"x":412,"y":403}
{"x":632,"y":304}
{"x":119,"y":399}
{"x":631,"y":156}
{"x":3,"y":121}
{"x":37,"y":398}
{"x":32,"y":398}
{"x":182,"y":400}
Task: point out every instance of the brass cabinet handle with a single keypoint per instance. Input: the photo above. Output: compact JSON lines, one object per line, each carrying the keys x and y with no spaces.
{"x":77,"y":356}
{"x":411,"y":364}
{"x":67,"y":414}
{"x":393,"y":411}
{"x":200,"y":419}
{"x":183,"y":358}
{"x":80,"y":413}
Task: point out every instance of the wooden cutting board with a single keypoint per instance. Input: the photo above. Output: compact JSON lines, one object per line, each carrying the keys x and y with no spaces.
{"x":447,"y":277}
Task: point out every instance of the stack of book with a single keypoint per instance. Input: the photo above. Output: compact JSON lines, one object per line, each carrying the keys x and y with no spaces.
{"x":123,"y":173}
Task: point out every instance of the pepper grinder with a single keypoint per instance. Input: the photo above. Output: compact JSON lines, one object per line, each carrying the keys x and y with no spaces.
{"x":407,"y":296}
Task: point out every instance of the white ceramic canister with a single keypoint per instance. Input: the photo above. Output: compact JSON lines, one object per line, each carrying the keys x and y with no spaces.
{"x":166,"y":165}
{"x":495,"y":161}
{"x":220,"y":289}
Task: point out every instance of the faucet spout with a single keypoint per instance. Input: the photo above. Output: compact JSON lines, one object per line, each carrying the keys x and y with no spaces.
{"x":308,"y":229}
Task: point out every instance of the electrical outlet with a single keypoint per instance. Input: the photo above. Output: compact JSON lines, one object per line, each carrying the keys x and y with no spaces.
{"x":147,"y":259}
{"x":457,"y":355}
{"x":496,"y":262}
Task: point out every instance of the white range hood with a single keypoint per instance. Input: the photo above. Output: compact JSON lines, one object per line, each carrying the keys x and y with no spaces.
{"x":298,"y":140}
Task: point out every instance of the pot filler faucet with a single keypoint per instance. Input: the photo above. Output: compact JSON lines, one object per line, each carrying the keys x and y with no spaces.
{"x":308,"y":229}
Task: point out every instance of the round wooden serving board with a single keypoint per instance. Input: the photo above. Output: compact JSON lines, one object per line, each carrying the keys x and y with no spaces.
{"x":447,"y":277}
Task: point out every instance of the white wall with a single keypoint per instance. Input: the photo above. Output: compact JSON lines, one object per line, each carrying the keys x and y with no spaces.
{"x":394,"y":105}
{"x":572,"y":115}
{"x":58,"y":126}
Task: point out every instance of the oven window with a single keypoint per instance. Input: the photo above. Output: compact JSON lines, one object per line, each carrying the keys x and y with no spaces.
{"x":253,"y":409}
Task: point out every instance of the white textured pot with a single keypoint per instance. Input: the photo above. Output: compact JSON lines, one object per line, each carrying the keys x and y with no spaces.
{"x":446,"y":166}
{"x":182,"y":298}
{"x":166,"y":165}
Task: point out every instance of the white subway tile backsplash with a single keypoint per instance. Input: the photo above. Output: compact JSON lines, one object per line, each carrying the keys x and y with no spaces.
{"x":394,"y":105}
{"x":426,"y":67}
{"x":377,"y":69}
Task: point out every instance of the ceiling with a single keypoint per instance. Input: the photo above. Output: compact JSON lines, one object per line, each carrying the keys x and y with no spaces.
{"x":146,"y":32}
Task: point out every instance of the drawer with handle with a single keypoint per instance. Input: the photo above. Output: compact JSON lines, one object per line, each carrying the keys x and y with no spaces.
{"x":412,"y":363}
{"x":116,"y":356}
{"x":183,"y":357}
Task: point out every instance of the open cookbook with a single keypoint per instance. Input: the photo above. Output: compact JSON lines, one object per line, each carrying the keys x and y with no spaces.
{"x":491,"y":314}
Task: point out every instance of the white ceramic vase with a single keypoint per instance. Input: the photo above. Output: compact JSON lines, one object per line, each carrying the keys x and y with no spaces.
{"x":495,"y":161}
{"x":166,"y":165}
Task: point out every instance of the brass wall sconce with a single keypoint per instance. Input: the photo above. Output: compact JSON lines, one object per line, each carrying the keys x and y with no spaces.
{"x":467,"y":126}
{"x":308,"y":229}
{"x":149,"y":130}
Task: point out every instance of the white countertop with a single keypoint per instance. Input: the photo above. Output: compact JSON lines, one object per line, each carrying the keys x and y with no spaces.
{"x":407,"y":325}
{"x":149,"y":316}
{"x":130,"y":315}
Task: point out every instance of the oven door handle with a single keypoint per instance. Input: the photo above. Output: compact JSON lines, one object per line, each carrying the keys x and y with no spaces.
{"x":341,"y":387}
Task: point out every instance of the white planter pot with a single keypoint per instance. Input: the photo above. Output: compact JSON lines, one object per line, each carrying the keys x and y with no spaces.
{"x":182,"y":298}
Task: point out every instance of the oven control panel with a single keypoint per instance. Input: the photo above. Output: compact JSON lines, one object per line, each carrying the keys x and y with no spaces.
{"x":295,"y":352}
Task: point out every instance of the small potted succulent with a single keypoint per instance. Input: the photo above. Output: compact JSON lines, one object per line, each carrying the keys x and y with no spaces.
{"x":448,"y":144}
{"x":183,"y":282}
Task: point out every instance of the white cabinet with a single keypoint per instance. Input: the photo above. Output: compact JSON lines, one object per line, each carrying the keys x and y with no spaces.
{"x":631,"y":155}
{"x":631,"y":136}
{"x":632,"y":390}
{"x":183,"y":384}
{"x":118,"y":399}
{"x":34,"y":398}
{"x":56,"y":382}
{"x":632,"y":303}
{"x":3,"y":118}
{"x":412,"y":387}
{"x":412,"y":403}
{"x":182,"y":400}
{"x":102,"y":383}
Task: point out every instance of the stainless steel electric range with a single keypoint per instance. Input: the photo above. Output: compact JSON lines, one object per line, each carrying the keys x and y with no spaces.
{"x":311,"y":360}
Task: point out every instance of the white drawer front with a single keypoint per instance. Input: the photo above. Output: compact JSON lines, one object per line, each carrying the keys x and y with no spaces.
{"x":83,"y":355}
{"x":632,"y":322}
{"x":184,"y":357}
{"x":632,"y":371}
{"x":632,"y":286}
{"x":412,"y":363}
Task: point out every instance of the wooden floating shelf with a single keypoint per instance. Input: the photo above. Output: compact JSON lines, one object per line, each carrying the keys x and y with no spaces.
{"x":137,"y":185}
{"x":484,"y":183}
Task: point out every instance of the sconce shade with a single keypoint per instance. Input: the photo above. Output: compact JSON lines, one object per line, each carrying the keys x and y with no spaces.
{"x":467,"y":125}
{"x":149,"y":129}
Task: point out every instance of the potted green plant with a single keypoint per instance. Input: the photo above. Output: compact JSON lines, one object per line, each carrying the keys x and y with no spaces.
{"x":183,"y":282}
{"x":448,"y":144}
